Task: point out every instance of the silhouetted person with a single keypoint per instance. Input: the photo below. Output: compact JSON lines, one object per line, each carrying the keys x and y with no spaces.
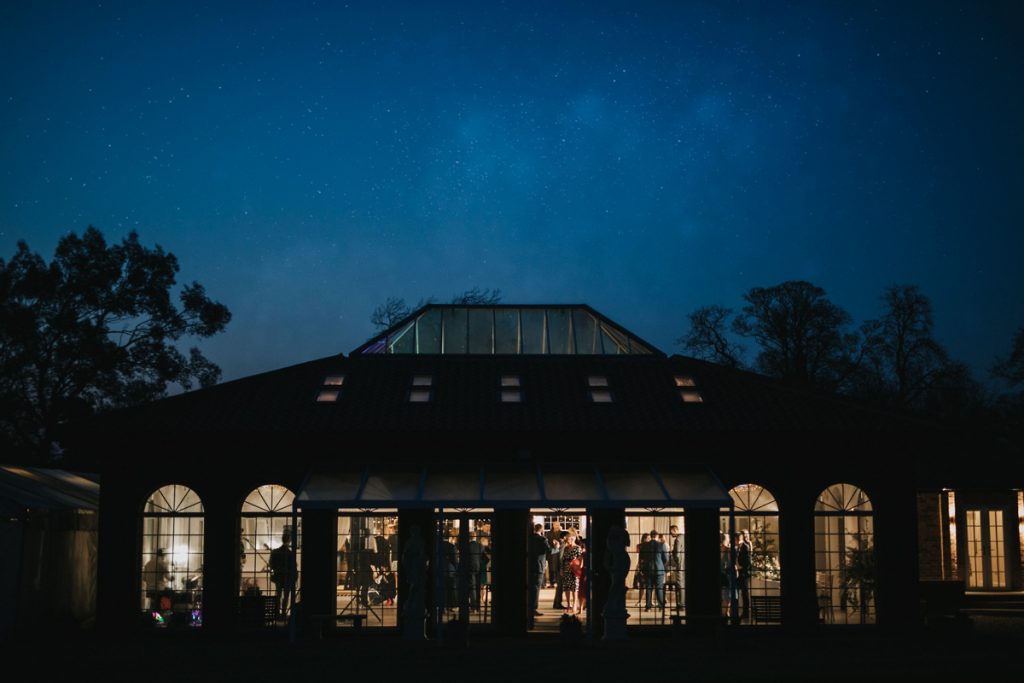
{"x":675,"y":563}
{"x":281,"y":573}
{"x":654,"y":559}
{"x":449,"y":564}
{"x":537,"y":552}
{"x":474,"y":563}
{"x":554,"y":557}
{"x":744,"y":565}
{"x":156,"y":575}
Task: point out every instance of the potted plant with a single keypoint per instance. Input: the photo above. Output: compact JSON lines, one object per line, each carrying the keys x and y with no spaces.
{"x":858,"y":579}
{"x":570,"y":628}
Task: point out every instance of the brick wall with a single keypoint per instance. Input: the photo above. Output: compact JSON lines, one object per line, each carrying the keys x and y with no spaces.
{"x":930,"y":544}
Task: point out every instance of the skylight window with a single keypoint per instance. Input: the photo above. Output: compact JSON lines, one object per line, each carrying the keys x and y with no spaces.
{"x":422,"y":389}
{"x":334,"y":380}
{"x":327,"y":396}
{"x":511,"y":389}
{"x":599,"y":392}
{"x":498,"y":329}
{"x":687,"y":387}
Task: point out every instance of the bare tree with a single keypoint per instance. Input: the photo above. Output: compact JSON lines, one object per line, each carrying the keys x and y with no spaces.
{"x":1011,"y":368}
{"x":708,"y":339}
{"x":903,"y":356}
{"x":804,"y":337}
{"x":390,"y":312}
{"x":394,"y":310}
{"x":479,"y":297}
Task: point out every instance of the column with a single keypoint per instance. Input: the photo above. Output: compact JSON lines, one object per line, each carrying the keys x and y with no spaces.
{"x":319,"y":569}
{"x":703,"y":586}
{"x":508,"y":589}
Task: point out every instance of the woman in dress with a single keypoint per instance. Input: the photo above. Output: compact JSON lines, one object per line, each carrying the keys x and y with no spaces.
{"x":570,"y":581}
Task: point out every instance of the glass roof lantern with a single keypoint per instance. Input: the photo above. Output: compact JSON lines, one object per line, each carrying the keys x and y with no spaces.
{"x":506,"y":329}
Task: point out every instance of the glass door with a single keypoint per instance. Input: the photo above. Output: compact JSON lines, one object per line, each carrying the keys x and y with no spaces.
{"x":986,"y":551}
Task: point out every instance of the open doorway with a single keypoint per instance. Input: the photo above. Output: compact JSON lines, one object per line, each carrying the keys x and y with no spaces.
{"x":564,"y":589}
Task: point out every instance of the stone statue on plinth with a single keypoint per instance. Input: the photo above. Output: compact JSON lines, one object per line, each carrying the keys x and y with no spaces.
{"x":616,"y":563}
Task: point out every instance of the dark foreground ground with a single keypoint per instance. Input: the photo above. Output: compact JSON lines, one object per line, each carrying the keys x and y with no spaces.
{"x":989,"y":647}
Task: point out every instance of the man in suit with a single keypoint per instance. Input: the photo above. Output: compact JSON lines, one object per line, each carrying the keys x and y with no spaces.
{"x":554,"y":538}
{"x":655,"y":559}
{"x":676,"y":560}
{"x":474,"y":563}
{"x":744,"y":568}
{"x":537,"y":552}
{"x":451,"y":559}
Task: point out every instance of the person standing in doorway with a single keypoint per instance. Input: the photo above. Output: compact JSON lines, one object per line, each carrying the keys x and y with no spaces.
{"x":554,"y":560}
{"x":572,"y":568}
{"x":537,"y":552}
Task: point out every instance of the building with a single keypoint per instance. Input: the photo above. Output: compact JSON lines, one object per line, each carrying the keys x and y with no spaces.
{"x":466,"y":425}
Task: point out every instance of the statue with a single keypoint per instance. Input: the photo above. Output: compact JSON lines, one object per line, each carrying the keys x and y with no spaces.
{"x":414,"y":565}
{"x":616,"y":563}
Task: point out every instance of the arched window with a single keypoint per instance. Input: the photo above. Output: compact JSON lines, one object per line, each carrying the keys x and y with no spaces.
{"x":754,"y":590}
{"x":844,"y":555}
{"x":266,"y":541}
{"x":172,"y":557}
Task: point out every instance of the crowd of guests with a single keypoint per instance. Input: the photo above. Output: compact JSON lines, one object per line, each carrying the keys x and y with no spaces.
{"x":557,"y":558}
{"x":470,"y":566}
{"x":367,"y":565}
{"x":660,"y":562}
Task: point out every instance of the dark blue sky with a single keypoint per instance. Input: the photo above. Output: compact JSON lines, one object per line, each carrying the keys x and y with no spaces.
{"x":306,"y":162}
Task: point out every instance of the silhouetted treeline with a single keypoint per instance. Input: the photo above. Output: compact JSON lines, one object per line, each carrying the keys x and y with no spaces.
{"x":893,"y":361}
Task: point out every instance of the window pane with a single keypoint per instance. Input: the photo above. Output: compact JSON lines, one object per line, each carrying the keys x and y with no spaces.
{"x":506,"y":330}
{"x":480,"y":321}
{"x":585,"y":332}
{"x":403,"y":341}
{"x":429,"y":332}
{"x":558,"y":331}
{"x":533,"y":331}
{"x":656,"y":587}
{"x":455,"y":325}
{"x":367,"y":570}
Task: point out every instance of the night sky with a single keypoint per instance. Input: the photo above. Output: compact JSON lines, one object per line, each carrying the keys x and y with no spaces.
{"x":306,"y":162}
